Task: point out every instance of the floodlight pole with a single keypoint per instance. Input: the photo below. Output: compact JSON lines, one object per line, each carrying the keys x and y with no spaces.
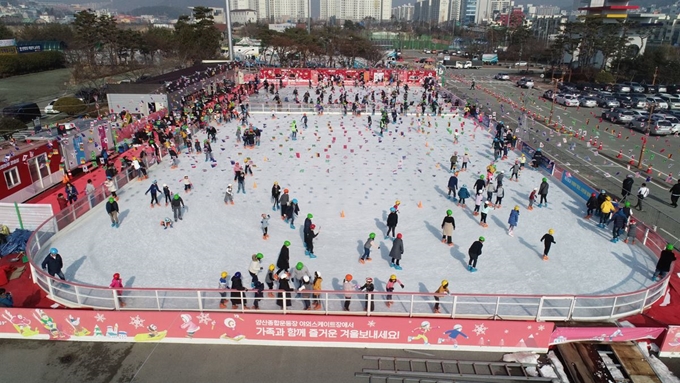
{"x":229,"y":37}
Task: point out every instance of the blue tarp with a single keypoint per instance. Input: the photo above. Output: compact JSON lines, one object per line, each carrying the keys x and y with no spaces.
{"x":16,"y":242}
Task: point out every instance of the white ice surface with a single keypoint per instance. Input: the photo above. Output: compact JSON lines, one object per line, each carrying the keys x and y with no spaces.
{"x":405,"y":165}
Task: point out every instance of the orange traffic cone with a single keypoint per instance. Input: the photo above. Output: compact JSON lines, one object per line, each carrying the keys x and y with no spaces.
{"x":342,"y":214}
{"x":420,"y":204}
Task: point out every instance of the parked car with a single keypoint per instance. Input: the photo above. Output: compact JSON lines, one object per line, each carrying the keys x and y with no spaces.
{"x":672,"y":101}
{"x":639,"y":101}
{"x":657,"y":102}
{"x":653,"y":126}
{"x":622,"y":88}
{"x":25,"y":112}
{"x":618,"y":115}
{"x":635,"y":87}
{"x":652,"y":89}
{"x":525,"y":83}
{"x":49,"y":109}
{"x":587,"y":102}
{"x":624,"y":101}
{"x":567,"y":100}
{"x":502,"y":76}
{"x":549,"y":95}
{"x":674,"y":120}
{"x":521,"y":63}
{"x":608,"y":102}
{"x":639,"y":113}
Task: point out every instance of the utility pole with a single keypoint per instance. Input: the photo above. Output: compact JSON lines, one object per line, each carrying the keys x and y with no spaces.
{"x":656,"y":73}
{"x":552,"y":104}
{"x":644,"y":142}
{"x":231,"y":43}
{"x":309,"y":17}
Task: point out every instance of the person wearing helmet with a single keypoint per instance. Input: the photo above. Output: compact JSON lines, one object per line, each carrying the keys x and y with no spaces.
{"x":397,"y":251}
{"x":255,"y":267}
{"x":305,"y":290}
{"x":619,"y":221}
{"x":138,"y":168}
{"x":480,"y":184}
{"x":238,"y":297}
{"x":241,"y":181}
{"x":632,"y":231}
{"x":264,"y":224}
{"x":308,"y":222}
{"x":591,"y":206}
{"x":53,"y":264}
{"x":663,"y":266}
{"x":474,"y":252}
{"x":317,"y":287}
{"x":448,"y":226}
{"x":270,"y":278}
{"x":392,"y":221}
{"x":389,"y":287}
{"x":627,"y":187}
{"x":283,"y":262}
{"x":112,"y":210}
{"x":626,"y":210}
{"x":276,"y":193}
{"x":605,"y":211}
{"x":117,"y":283}
{"x":283,"y":202}
{"x":500,"y":193}
{"x":369,"y":287}
{"x":229,"y":195}
{"x":167,"y":194}
{"x":285,"y":291}
{"x":642,"y":193}
{"x":547,"y":240}
{"x":177,"y":205}
{"x":154,"y":190}
{"x":258,"y":287}
{"x":442,"y":290}
{"x":309,"y":240}
{"x":478,"y":202}
{"x":368,"y":246}
{"x":348,"y":286}
{"x":300,"y":271}
{"x":513,"y":220}
{"x":543,"y":192}
{"x":600,"y":200}
{"x":292,"y":211}
{"x":537,"y":159}
{"x":463,"y":194}
{"x":223,"y":284}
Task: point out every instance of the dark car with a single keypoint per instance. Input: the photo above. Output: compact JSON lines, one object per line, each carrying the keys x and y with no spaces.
{"x":445,"y":51}
{"x":652,"y":89}
{"x":88,"y":94}
{"x":25,"y":112}
{"x":624,"y":101}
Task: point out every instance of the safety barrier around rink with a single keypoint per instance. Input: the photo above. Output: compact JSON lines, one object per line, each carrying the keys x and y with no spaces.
{"x":483,"y":306}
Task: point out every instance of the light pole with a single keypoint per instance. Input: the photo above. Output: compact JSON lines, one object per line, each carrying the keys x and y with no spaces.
{"x":649,"y":120}
{"x":552,"y":105}
{"x":231,"y":44}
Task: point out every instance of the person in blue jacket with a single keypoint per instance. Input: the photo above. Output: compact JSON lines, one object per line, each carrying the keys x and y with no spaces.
{"x":463,"y":194}
{"x":620,"y":220}
{"x":453,"y":186}
{"x":513,"y":220}
{"x":154,"y":190}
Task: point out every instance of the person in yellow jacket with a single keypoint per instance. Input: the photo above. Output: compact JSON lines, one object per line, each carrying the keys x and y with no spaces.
{"x":606,"y":208}
{"x":317,"y":287}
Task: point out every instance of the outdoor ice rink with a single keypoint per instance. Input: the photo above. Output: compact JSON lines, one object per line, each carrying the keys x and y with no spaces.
{"x":338,"y":165}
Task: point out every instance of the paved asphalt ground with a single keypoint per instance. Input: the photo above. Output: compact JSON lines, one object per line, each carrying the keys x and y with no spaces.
{"x":602,"y":169}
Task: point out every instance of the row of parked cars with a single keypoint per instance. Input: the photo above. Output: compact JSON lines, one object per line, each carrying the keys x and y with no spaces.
{"x":661,"y":123}
{"x":524,"y":82}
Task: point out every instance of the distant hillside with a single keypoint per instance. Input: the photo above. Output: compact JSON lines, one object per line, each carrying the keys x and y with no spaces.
{"x":160,"y":10}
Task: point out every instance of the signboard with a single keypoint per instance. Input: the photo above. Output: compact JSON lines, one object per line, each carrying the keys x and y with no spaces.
{"x":671,"y":343}
{"x":8,"y":43}
{"x":8,"y":50}
{"x":254,"y":328}
{"x":577,"y":186}
{"x":603,"y":334}
{"x":30,"y":48}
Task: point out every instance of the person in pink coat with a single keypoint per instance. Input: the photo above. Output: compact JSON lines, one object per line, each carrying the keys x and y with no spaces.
{"x":117,"y":283}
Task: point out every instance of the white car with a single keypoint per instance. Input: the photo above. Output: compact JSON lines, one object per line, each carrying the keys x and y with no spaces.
{"x":587,"y":102}
{"x":658,"y":102}
{"x":675,"y":122}
{"x":502,"y":77}
{"x":49,"y":109}
{"x":567,"y":100}
{"x":521,"y":63}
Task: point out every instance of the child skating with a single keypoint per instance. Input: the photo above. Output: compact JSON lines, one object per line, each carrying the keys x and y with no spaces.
{"x":463,"y":194}
{"x":513,"y":220}
{"x":389,"y":287}
{"x":229,"y":195}
{"x":368,"y":246}
{"x":547,"y":240}
{"x":264,"y":224}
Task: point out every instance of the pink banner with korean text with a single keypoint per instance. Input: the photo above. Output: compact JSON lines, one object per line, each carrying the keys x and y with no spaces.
{"x":603,"y":334}
{"x":255,"y":328}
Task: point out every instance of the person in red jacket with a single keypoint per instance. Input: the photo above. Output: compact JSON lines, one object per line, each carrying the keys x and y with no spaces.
{"x":117,"y":283}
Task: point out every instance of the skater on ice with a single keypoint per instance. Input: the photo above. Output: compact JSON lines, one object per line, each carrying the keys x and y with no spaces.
{"x":177,"y":206}
{"x":305,"y":291}
{"x":591,"y":206}
{"x":117,"y":283}
{"x":369,"y":287}
{"x":448,"y":226}
{"x":389,"y":287}
{"x":606,"y":210}
{"x":632,"y":232}
{"x":397,"y":251}
{"x":223,"y":284}
{"x":187,"y":184}
{"x":229,"y":195}
{"x":269,"y":279}
{"x":500,"y":193}
{"x":264,"y":225}
{"x":53,"y":264}
{"x":283,"y":262}
{"x":283,"y":203}
{"x":317,"y":287}
{"x":463,"y":194}
{"x":112,"y":210}
{"x":442,"y":290}
{"x":309,"y":236}
{"x":241,"y":179}
{"x":292,"y":211}
{"x":167,"y":194}
{"x":238,"y":297}
{"x":478,"y":202}
{"x":548,"y":240}
{"x":619,"y":221}
{"x":368,"y":246}
{"x":255,"y":266}
{"x":663,"y":266}
{"x":392,"y":221}
{"x":166,"y":223}
{"x":276,"y":193}
{"x":474,"y":252}
{"x":513,"y":220}
{"x":348,"y":286}
{"x":153,"y":189}
{"x":453,"y":186}
{"x":543,"y":193}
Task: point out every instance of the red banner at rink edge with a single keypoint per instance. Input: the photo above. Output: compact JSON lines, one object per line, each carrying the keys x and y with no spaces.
{"x":256,"y":328}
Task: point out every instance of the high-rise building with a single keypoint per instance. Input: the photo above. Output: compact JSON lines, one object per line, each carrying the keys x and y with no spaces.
{"x":432,"y":11}
{"x":454,"y":10}
{"x":502,"y":6}
{"x":403,"y":12}
{"x":475,"y":11}
{"x":261,"y":7}
{"x":287,"y":10}
{"x":355,"y":10}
